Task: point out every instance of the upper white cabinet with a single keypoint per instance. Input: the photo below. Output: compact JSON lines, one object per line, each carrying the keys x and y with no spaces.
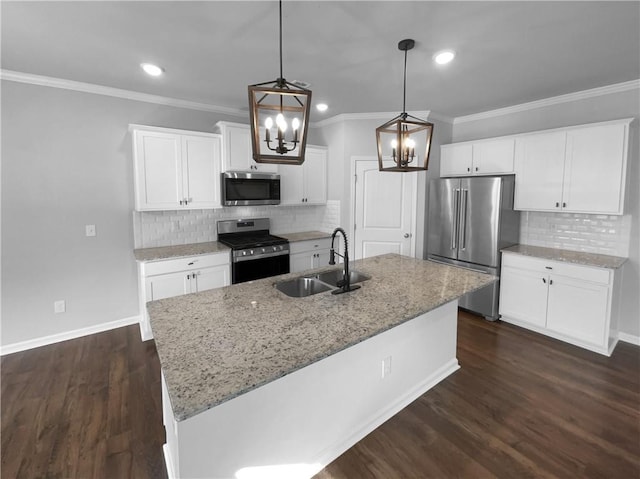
{"x":237,"y":152}
{"x":175,"y":169}
{"x":483,"y":157}
{"x":576,"y":170}
{"x":305,"y":184}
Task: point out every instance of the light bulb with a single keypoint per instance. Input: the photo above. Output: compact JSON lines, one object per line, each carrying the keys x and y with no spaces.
{"x":268,"y":123}
{"x":410,"y":143}
{"x":394,"y":143}
{"x":295,"y":124}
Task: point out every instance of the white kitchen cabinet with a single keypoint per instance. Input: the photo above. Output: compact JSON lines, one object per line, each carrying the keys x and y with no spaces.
{"x":575,"y":170}
{"x":573,"y":303}
{"x":305,"y":184}
{"x":175,"y":169}
{"x":304,"y":255}
{"x":237,"y":151}
{"x":483,"y":157}
{"x":174,"y":277}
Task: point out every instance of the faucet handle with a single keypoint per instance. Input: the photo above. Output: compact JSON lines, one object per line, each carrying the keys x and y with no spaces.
{"x":332,"y":256}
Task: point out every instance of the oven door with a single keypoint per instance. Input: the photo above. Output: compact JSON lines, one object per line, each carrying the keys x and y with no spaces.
{"x":258,"y":268}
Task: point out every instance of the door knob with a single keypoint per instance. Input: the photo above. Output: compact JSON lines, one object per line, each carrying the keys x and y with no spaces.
{"x":407,"y":235}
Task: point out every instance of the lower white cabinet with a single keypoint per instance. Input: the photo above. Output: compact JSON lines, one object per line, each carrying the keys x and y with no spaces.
{"x":309,"y":254}
{"x":174,"y":277}
{"x":574,"y":303}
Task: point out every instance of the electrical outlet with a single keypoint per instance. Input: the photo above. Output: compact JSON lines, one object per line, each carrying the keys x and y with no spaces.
{"x":386,"y":367}
{"x":59,"y":306}
{"x":90,"y":230}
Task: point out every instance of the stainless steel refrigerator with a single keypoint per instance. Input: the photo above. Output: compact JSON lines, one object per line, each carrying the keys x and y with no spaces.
{"x":470,"y":221}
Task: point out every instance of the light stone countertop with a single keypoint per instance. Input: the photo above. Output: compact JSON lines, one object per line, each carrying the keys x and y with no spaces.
{"x":568,"y":256}
{"x":304,"y":236}
{"x":179,"y":251}
{"x":215,"y":345}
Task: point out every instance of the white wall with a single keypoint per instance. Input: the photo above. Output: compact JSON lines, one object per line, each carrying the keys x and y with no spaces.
{"x":66,"y":162}
{"x":349,"y":137}
{"x":621,"y":104}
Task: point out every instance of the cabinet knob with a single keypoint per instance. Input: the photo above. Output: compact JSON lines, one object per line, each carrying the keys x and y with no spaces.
{"x":564,"y":205}
{"x":468,"y":169}
{"x":476,"y":168}
{"x":544,"y":280}
{"x":557,"y":205}
{"x":550,"y":281}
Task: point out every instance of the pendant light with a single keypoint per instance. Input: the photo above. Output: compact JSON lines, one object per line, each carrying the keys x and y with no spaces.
{"x":279,"y":113}
{"x":405,"y":139}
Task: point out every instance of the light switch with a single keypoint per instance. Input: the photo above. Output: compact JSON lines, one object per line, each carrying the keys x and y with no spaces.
{"x":59,"y":306}
{"x":90,"y":230}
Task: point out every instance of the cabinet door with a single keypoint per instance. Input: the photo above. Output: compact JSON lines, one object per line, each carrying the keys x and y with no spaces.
{"x":167,"y":285}
{"x":523,"y":295}
{"x":238,"y":151}
{"x":456,"y":160}
{"x":158,"y":170}
{"x":578,"y":309}
{"x":539,"y":168}
{"x":201,"y":171}
{"x":322,"y":258}
{"x":315,"y":176}
{"x":301,"y":262}
{"x":493,"y":157}
{"x":595,"y":169}
{"x":291,"y":184}
{"x":211,"y":278}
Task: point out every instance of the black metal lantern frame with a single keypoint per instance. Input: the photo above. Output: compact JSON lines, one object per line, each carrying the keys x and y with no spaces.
{"x":406,"y":140}
{"x":279,"y":113}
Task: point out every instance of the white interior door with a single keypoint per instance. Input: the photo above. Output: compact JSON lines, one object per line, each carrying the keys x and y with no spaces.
{"x":384,"y":211}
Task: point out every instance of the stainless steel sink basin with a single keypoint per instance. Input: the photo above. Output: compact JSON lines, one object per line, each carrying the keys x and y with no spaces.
{"x":302,"y":287}
{"x":332,"y":277}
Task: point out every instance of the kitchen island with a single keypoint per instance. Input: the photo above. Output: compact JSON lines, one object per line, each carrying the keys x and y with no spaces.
{"x":259,"y":384}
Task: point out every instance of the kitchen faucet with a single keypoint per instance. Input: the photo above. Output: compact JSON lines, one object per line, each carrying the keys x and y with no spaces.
{"x":345,"y":284}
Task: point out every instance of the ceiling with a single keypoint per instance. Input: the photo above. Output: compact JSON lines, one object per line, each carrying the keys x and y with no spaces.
{"x":507,"y":52}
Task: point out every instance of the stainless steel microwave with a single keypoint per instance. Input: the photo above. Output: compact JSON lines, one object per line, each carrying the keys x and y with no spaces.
{"x":242,"y":188}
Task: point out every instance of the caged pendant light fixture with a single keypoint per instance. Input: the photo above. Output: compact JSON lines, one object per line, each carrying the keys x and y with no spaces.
{"x":285,"y":106}
{"x":405,"y":139}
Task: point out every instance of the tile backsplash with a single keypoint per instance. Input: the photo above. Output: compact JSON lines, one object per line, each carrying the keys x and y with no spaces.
{"x":166,"y":228}
{"x":602,"y":234}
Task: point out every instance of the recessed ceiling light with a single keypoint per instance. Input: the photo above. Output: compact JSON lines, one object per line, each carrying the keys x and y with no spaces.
{"x":443,"y":57}
{"x":322,"y":107}
{"x":151,"y":69}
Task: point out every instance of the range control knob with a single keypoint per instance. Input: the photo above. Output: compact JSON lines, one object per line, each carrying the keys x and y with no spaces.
{"x":244,"y":253}
{"x":275,"y":248}
{"x":264,"y":250}
{"x":251,"y":252}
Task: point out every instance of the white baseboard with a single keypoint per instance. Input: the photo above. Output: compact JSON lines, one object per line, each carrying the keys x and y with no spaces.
{"x":629,"y":338}
{"x":76,"y":333}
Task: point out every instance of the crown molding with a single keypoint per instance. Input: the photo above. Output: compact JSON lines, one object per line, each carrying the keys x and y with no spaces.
{"x":556,"y":100}
{"x":52,"y":82}
{"x":381,"y":115}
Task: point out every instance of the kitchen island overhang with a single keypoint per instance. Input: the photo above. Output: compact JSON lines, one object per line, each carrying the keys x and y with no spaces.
{"x":291,"y":383}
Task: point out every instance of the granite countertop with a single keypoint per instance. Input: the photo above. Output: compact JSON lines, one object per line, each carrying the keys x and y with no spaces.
{"x":568,"y":256}
{"x":216,"y":345}
{"x":179,"y":251}
{"x":304,"y":236}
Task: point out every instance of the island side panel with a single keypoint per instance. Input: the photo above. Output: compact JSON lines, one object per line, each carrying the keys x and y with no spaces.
{"x":308,"y":418}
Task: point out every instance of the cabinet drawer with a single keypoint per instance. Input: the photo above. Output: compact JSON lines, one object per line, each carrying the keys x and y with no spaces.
{"x":584,"y":273}
{"x":309,"y":245}
{"x":185,"y":264}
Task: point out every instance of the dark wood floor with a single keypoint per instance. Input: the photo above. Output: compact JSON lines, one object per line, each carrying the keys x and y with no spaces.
{"x":521,"y":406}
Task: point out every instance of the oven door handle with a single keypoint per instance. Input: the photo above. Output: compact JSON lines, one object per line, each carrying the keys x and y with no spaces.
{"x":240,"y":259}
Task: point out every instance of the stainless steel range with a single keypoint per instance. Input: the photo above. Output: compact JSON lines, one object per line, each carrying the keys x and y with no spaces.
{"x":255,"y":252}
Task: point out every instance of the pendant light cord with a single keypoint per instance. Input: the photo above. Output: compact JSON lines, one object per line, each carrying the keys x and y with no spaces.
{"x":281,"y":39}
{"x":404,"y":87}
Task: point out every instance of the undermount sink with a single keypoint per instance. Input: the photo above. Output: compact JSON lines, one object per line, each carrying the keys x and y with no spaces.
{"x":308,"y":286}
{"x":332,"y":277}
{"x":302,"y":287}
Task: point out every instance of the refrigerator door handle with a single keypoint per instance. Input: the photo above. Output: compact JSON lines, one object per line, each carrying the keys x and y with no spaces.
{"x":463,"y":218}
{"x":455,"y":219}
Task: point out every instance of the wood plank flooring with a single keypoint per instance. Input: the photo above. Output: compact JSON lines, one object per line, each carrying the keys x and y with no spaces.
{"x":522,"y":405}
